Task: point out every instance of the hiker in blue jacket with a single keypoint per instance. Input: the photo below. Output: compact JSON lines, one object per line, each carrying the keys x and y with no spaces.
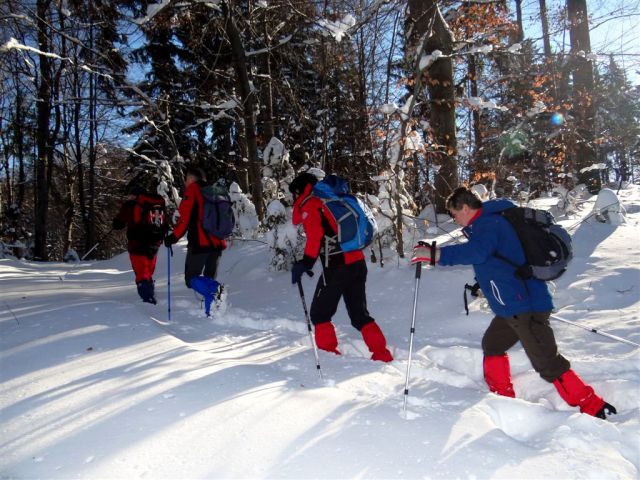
{"x":522,"y":307}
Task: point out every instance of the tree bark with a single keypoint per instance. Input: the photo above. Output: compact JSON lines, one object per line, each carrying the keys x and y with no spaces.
{"x":475,"y":115}
{"x":520,"y":33}
{"x":583,"y":86}
{"x":249,"y":108}
{"x":42,"y":136}
{"x":428,"y":24}
{"x":267,"y":90}
{"x":545,"y":29}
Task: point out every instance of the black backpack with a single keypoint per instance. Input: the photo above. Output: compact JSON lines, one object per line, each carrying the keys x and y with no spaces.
{"x":547,"y":246}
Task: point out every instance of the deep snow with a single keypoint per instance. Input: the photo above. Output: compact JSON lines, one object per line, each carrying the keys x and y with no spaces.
{"x":96,"y":384}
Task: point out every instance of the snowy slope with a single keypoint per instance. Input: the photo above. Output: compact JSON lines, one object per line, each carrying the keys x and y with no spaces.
{"x":96,"y":384}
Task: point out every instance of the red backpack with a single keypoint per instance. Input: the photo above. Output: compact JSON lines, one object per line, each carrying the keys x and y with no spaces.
{"x":153,"y":223}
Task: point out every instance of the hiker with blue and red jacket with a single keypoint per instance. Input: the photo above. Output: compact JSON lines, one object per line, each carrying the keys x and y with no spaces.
{"x":144,"y":216}
{"x":522,"y":307}
{"x":344,"y":273}
{"x":203,"y":248}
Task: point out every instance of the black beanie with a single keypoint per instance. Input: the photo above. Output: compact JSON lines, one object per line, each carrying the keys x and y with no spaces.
{"x":297,"y":186}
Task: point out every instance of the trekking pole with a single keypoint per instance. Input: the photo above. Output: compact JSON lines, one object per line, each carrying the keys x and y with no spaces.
{"x":306,"y":316}
{"x":599,"y":332}
{"x":90,"y":250}
{"x":11,"y":311}
{"x":169,"y":255}
{"x":413,"y":323}
{"x":412,"y":331}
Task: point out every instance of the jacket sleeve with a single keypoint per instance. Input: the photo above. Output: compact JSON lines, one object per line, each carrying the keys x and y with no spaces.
{"x":185,"y":208}
{"x":312,"y":223}
{"x":482,"y":245}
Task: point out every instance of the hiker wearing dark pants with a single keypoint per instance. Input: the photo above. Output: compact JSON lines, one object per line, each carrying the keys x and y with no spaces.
{"x":522,"y":306}
{"x":203,"y":248}
{"x":344,"y":274}
{"x":143,"y":215}
{"x":196,"y":264}
{"x":346,"y":281}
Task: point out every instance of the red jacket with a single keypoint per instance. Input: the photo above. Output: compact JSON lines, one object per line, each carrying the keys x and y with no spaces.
{"x":191,"y":209}
{"x":319,"y":225}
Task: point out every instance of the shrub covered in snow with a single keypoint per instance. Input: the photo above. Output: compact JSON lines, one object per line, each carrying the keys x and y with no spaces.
{"x":285,"y":239}
{"x":245,"y":212}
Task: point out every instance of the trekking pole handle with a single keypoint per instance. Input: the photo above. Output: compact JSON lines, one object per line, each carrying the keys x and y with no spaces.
{"x":432,"y":261}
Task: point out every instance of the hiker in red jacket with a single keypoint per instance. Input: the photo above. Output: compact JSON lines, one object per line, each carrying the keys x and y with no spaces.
{"x":144,"y":216}
{"x":203,"y":249}
{"x":344,"y":274}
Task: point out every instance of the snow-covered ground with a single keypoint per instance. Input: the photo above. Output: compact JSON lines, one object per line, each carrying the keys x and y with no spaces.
{"x":96,"y":384}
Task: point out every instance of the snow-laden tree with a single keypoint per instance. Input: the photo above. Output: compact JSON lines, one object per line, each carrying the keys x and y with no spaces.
{"x":384,"y":206}
{"x":277,"y":171}
{"x":165,"y":182}
{"x":285,"y":239}
{"x":245,"y":212}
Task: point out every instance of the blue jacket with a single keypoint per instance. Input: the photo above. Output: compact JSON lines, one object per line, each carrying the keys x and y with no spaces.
{"x":490,"y":233}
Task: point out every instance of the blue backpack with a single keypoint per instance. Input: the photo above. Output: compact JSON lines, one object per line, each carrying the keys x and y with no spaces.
{"x":217,"y":217}
{"x":356,"y":223}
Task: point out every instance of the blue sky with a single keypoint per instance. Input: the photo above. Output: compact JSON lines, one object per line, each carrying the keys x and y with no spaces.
{"x":615,"y":29}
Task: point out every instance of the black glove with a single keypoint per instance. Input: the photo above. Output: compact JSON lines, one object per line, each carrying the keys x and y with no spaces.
{"x":118,"y":224}
{"x":170,"y":240}
{"x":298,"y":269}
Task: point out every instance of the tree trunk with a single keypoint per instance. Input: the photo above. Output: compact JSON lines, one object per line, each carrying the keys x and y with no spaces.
{"x":428,"y":22}
{"x":42,"y":136}
{"x":583,"y":86}
{"x":267,"y":91}
{"x":545,"y":29}
{"x":19,"y":138}
{"x":475,"y":115}
{"x":91,"y":207}
{"x":249,"y":108}
{"x":520,"y":32}
{"x":77,"y":139}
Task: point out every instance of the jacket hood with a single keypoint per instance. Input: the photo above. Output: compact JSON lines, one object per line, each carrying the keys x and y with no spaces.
{"x":297,"y":217}
{"x":496,"y":206}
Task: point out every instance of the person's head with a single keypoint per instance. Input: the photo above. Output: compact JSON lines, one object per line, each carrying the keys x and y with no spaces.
{"x":298,"y":185}
{"x":194,"y":174}
{"x":463,"y":205}
{"x":134,"y":190}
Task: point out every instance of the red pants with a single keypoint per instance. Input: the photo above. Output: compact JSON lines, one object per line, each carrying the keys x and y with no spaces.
{"x":143,"y":266}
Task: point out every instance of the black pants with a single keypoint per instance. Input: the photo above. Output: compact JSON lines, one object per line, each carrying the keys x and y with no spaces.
{"x":534,"y":331}
{"x":346,"y":281}
{"x":201,"y":264}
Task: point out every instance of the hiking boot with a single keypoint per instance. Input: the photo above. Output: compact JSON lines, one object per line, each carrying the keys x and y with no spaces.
{"x":146,"y":291}
{"x":607,"y":409}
